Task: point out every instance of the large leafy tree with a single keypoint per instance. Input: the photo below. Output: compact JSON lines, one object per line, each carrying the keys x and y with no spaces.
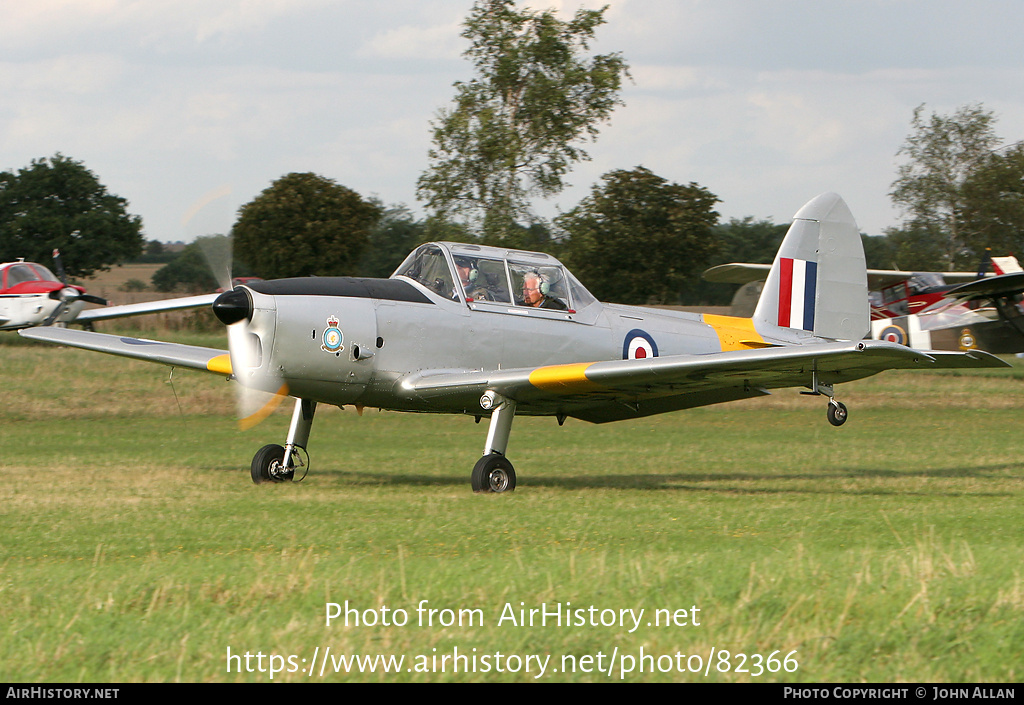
{"x":942,"y":151}
{"x":637,"y":238}
{"x":516,"y":128}
{"x":994,"y":195}
{"x":394,"y":236}
{"x":304,"y":225}
{"x":202,"y":266}
{"x":58,"y":203}
{"x":739,"y":240}
{"x":189,"y":272}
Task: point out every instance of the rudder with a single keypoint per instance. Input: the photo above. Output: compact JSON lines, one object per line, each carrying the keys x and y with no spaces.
{"x":818,"y":282}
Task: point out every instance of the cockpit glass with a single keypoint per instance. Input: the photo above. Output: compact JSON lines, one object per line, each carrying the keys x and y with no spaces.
{"x":924,"y":280}
{"x":539,"y":286}
{"x":21,"y":273}
{"x":482,"y":275}
{"x":896,"y":292}
{"x":428,"y":266}
{"x":483,"y":279}
{"x":580,"y":296}
{"x":45,"y":274}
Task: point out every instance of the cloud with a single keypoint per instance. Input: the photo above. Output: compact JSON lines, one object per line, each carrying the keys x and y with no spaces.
{"x":140,"y":22}
{"x":416,"y":43}
{"x":765,"y":104}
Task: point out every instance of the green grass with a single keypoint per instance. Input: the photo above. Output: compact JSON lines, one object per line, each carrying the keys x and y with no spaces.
{"x":136,"y":548}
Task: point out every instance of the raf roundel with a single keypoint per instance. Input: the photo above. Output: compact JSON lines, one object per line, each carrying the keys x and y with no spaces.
{"x":893,"y":334}
{"x":967,"y":340}
{"x":638,"y":345}
{"x":332,"y":337}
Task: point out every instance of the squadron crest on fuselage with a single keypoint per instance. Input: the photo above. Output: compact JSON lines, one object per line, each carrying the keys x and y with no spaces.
{"x":333,"y":337}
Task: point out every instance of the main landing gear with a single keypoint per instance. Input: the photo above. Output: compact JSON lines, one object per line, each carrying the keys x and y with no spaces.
{"x":494,"y":472}
{"x":836,"y":411}
{"x":274,"y":463}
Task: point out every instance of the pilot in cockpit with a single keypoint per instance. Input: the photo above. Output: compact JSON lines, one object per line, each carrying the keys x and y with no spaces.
{"x":472,"y":281}
{"x":464,"y":266}
{"x":466,"y":271}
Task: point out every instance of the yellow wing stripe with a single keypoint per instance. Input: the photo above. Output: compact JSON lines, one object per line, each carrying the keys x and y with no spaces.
{"x":735,"y":333}
{"x":563,"y":378}
{"x":220,"y":364}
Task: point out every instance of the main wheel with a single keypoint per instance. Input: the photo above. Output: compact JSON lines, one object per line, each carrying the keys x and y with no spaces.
{"x":268,"y":465}
{"x":493,"y":473}
{"x":837,"y":413}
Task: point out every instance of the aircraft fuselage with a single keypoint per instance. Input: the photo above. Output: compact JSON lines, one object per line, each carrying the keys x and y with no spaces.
{"x":349,"y":341}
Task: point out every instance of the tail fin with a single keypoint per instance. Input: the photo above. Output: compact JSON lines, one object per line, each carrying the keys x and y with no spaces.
{"x":818,"y":282}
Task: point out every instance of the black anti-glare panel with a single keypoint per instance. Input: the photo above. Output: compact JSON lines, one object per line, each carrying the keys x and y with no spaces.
{"x":353,"y":287}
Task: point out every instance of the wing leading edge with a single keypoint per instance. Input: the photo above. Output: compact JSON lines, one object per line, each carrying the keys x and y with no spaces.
{"x":174,"y":354}
{"x":160,"y":306}
{"x":744,"y":273}
{"x":621,"y":389}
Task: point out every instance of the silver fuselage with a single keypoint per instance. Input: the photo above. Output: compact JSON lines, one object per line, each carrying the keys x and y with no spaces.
{"x":350,"y":349}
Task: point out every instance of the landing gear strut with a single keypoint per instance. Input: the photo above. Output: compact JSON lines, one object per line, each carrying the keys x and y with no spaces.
{"x":836,"y":409}
{"x":274,"y":463}
{"x":494,"y":472}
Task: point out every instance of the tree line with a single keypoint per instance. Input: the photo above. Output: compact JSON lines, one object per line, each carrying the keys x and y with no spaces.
{"x":512,"y":134}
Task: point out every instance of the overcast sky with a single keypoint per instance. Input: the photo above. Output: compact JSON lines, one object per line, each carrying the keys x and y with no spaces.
{"x":190,"y":108}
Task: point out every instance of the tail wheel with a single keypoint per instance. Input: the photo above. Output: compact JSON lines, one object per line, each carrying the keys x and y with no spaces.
{"x":268,"y":465}
{"x":837,"y":413}
{"x":493,"y":473}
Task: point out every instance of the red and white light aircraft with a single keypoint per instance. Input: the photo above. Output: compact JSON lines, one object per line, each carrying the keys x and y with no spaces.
{"x":31,"y":295}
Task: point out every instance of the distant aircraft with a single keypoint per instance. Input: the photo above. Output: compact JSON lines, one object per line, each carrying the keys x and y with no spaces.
{"x":985,"y":314}
{"x":452,"y":332}
{"x":923,"y":309}
{"x":30,"y":295}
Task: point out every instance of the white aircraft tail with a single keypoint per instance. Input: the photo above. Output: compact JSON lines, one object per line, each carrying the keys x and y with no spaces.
{"x":818,"y":282}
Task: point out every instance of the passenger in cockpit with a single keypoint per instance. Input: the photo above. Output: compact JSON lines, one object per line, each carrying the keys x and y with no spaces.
{"x":536,"y":290}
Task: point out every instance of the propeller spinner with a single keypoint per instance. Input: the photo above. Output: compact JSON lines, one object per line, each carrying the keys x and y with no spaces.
{"x":234,"y":309}
{"x":233,"y":306}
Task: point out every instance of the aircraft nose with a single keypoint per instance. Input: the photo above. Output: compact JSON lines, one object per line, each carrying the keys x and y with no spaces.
{"x":233,"y":306}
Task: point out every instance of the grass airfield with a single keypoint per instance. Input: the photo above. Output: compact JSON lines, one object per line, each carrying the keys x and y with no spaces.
{"x":137,"y":549}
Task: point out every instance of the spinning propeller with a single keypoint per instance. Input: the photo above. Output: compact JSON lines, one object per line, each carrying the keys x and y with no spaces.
{"x":68,"y":294}
{"x":234,"y":308}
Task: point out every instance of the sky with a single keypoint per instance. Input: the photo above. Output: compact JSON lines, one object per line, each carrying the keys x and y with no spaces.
{"x":190,"y":108}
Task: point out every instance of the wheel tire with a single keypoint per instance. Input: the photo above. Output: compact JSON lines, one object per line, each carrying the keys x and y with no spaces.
{"x":837,"y":413}
{"x":493,"y":473}
{"x":266,"y":465}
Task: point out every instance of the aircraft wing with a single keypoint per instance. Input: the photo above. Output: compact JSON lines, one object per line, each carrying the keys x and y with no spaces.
{"x":621,"y":389}
{"x":174,"y":354}
{"x":107,"y":312}
{"x":743,"y":273}
{"x":737,"y":273}
{"x":989,"y":287}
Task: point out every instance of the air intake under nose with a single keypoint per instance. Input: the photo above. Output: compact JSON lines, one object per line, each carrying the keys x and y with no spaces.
{"x":233,"y":306}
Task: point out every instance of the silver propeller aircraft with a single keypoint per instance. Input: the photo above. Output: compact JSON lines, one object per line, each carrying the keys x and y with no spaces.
{"x":475,"y":330}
